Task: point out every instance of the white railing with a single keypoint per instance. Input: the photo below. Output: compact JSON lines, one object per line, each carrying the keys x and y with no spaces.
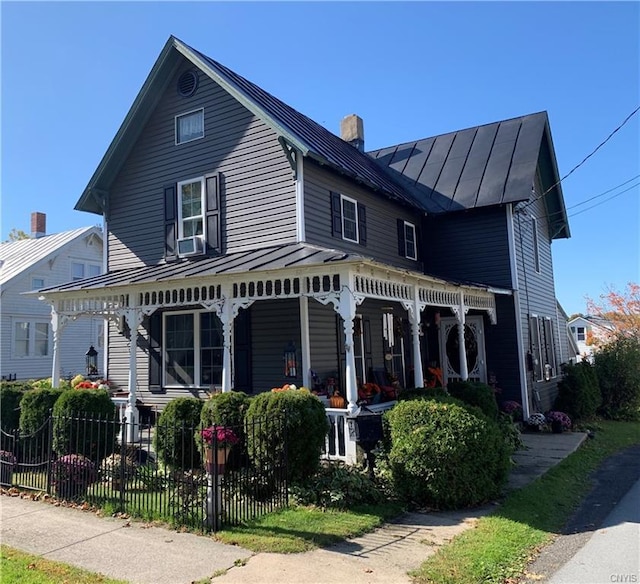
{"x":337,"y":444}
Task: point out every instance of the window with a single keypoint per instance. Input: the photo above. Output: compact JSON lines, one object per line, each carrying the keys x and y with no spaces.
{"x":410,"y":250}
{"x":37,"y":283}
{"x":580,"y":334}
{"x":190,"y":126}
{"x":543,"y":348}
{"x":349,"y":219}
{"x":31,"y":339}
{"x":191,"y":208}
{"x":193,"y":349}
{"x":536,"y":248}
{"x":81,"y":270}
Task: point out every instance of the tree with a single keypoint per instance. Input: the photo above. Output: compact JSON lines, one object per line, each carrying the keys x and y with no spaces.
{"x":621,"y":310}
{"x":17,"y":234}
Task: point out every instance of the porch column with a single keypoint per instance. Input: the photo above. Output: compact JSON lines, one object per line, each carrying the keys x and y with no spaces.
{"x":305,"y":350}
{"x":464,"y":371}
{"x":347,"y":310}
{"x":134,"y":319}
{"x":226,"y":318}
{"x":414,"y":319}
{"x":56,"y":327}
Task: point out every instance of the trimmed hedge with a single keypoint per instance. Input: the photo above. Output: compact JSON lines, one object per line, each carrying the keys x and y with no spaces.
{"x":422,"y":393}
{"x":476,"y":394}
{"x":11,"y":393}
{"x":35,"y":407}
{"x":445,"y":455}
{"x":306,"y":429}
{"x":578,"y":391}
{"x":174,"y":438}
{"x":85,"y":422}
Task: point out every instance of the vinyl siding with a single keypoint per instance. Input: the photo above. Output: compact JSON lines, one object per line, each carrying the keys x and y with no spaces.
{"x":257,"y":185}
{"x":381,"y":213}
{"x":470,"y":245}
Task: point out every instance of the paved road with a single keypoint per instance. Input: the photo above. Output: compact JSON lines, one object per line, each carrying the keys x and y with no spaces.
{"x":612,"y":554}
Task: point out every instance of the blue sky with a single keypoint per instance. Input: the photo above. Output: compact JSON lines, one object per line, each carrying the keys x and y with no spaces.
{"x":70,"y":72}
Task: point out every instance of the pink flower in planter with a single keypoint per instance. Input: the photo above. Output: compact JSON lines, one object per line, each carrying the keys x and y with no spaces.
{"x":225,"y":436}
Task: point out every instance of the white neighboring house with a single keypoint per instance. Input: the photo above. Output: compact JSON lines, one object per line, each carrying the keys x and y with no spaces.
{"x":587,"y":331}
{"x":26,"y":338}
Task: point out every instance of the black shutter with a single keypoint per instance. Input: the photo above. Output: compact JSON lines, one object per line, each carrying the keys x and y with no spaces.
{"x":154,"y":327}
{"x":362,"y":224}
{"x":214,"y":239}
{"x":402,"y":247}
{"x":336,"y":215}
{"x":418,"y":244}
{"x":170,"y":223}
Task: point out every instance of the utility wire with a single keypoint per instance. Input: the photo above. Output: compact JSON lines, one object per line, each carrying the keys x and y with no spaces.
{"x":607,"y":199}
{"x":577,"y":166}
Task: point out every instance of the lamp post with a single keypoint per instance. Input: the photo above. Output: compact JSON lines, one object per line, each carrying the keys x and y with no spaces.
{"x":290,"y":361}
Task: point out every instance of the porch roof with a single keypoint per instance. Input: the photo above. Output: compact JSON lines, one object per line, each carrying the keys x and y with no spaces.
{"x":268,"y":259}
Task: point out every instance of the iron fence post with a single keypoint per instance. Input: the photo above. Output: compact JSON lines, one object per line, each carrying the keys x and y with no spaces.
{"x":49,"y":449}
{"x":123,"y":462}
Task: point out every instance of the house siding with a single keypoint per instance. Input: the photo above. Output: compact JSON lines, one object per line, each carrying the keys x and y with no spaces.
{"x":257,"y":185}
{"x":381,"y":215}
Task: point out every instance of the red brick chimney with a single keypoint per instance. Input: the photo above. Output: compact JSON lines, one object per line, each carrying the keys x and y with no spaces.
{"x":38,"y":224}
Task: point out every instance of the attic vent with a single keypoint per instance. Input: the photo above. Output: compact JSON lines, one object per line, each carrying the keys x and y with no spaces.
{"x":188,"y":83}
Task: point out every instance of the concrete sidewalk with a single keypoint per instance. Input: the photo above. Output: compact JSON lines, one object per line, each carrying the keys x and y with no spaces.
{"x":153,"y":555}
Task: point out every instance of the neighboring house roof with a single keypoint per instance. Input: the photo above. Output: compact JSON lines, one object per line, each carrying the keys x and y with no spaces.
{"x":486,"y":165}
{"x":23,"y":254}
{"x":298,"y":130}
{"x":292,"y":255}
{"x":589,"y":320}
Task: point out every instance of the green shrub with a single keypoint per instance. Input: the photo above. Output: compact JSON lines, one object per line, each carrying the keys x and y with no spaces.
{"x":445,"y":455}
{"x":336,"y":485}
{"x":578,"y":391}
{"x":422,"y":393}
{"x":85,"y":422}
{"x":306,"y":428}
{"x":35,"y":408}
{"x":225,"y":409}
{"x":11,"y":393}
{"x":476,"y":394}
{"x":618,"y":368}
{"x":174,"y":438}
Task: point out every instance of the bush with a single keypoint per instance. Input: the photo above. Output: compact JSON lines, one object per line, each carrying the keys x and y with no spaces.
{"x":71,"y":476}
{"x":306,"y":429}
{"x":35,"y":408}
{"x":336,"y":485}
{"x":445,"y":455}
{"x":617,"y":365}
{"x":85,"y":422}
{"x":11,"y":393}
{"x":480,"y":395}
{"x":174,"y":439}
{"x":422,"y":393}
{"x":225,"y":409}
{"x":578,"y":391}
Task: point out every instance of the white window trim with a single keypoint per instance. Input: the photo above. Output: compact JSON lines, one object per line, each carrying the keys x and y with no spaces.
{"x":203,"y":202}
{"x":33,"y":285}
{"x":182,"y":115}
{"x":344,"y":198}
{"x":32,"y":338}
{"x":197,"y":347}
{"x":536,"y":244}
{"x":86,"y":265}
{"x":415,"y":241}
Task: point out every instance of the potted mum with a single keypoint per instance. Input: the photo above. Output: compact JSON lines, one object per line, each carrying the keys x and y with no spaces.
{"x":536,"y":422}
{"x":115,"y":469}
{"x":218,"y":441}
{"x":7,"y":466}
{"x":72,"y":474}
{"x":559,"y":421}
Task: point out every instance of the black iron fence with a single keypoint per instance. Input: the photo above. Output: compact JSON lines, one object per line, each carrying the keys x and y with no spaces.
{"x":154,"y":472}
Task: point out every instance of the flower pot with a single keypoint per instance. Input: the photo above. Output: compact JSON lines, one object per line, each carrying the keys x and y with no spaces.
{"x":556,"y":427}
{"x":215,"y":457}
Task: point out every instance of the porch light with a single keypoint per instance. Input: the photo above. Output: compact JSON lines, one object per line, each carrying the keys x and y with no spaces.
{"x":290,"y":360}
{"x":91,"y":361}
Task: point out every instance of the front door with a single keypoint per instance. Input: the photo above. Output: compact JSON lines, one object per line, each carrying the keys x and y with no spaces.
{"x":474,"y":345}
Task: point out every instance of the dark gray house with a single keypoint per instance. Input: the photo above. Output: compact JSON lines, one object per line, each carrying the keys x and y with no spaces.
{"x":248,"y":246}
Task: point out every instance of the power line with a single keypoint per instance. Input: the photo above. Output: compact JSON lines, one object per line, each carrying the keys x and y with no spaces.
{"x":607,"y":199}
{"x":604,"y":193}
{"x":577,"y":166}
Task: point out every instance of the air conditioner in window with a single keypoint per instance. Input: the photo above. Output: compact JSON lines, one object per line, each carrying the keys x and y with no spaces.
{"x":190,"y":246}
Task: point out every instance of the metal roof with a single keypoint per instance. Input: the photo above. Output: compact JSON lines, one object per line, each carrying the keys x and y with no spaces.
{"x":21,"y":255}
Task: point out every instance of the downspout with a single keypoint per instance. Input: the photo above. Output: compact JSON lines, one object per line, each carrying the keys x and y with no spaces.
{"x":299,"y":175}
{"x":516,"y":302}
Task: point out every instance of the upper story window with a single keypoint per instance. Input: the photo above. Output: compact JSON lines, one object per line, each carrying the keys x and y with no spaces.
{"x":190,"y":126}
{"x":81,"y":270}
{"x":407,"y":240}
{"x":191,"y":208}
{"x":536,"y":248}
{"x":37,"y":283}
{"x":581,"y":335}
{"x":348,"y":219}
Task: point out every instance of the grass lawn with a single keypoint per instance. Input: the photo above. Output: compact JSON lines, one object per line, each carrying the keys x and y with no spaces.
{"x":19,"y":567}
{"x":501,"y":545}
